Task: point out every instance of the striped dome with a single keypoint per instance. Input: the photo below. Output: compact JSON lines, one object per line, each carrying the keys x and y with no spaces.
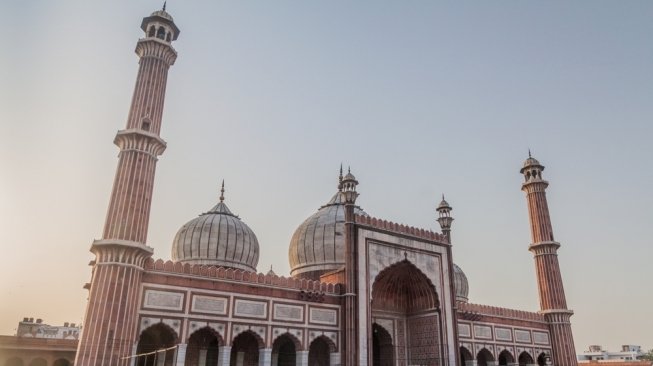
{"x":460,"y":284}
{"x":318,"y":245}
{"x":218,"y":238}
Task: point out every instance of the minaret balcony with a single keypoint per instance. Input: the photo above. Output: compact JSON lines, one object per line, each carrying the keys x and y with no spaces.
{"x":140,"y":140}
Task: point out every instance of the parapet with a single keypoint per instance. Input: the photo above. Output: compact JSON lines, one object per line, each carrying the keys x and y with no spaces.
{"x":400,"y":229}
{"x":238,"y":275}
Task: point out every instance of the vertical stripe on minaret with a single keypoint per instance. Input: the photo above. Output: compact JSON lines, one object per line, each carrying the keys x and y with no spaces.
{"x":110,"y":324}
{"x":553,"y":303}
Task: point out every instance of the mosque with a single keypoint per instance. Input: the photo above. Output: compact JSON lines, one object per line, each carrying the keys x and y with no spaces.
{"x":362,"y":290}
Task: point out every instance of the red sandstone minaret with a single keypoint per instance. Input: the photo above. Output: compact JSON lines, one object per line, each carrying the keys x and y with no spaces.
{"x":348,"y":192}
{"x":110,"y":323}
{"x":549,"y":280}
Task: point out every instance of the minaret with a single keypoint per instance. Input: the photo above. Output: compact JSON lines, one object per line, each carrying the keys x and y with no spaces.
{"x":348,"y":193}
{"x":549,"y":280}
{"x":109,"y":330}
{"x":444,"y":218}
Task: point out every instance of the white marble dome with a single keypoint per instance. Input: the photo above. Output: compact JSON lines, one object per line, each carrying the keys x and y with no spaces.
{"x":460,"y":284}
{"x":318,"y":245}
{"x":217,"y":238}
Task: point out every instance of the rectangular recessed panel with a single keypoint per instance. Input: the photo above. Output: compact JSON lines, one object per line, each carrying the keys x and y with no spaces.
{"x":324,"y":316}
{"x":522,"y":336}
{"x":464,"y":330}
{"x":502,"y":334}
{"x":250,"y":309}
{"x":288,"y":312}
{"x":163,"y":300}
{"x":482,"y":331}
{"x":541,"y":337}
{"x":209,"y":304}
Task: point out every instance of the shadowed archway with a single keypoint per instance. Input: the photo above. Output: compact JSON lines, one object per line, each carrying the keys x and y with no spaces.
{"x":202,"y":347}
{"x":156,"y":337}
{"x":484,"y":357}
{"x":505,"y":358}
{"x":245,"y":349}
{"x":406,"y":298}
{"x":465,"y":355}
{"x":319,"y":352}
{"x":383,"y":351}
{"x":525,"y":359}
{"x":284,"y":350}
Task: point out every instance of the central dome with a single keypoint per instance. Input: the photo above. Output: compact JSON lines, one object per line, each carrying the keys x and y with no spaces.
{"x":318,"y":245}
{"x":217,"y":238}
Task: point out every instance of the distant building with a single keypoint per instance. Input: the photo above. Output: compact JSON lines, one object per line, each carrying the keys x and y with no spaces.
{"x":629,"y":355}
{"x":37,"y":329}
{"x":38,"y":344}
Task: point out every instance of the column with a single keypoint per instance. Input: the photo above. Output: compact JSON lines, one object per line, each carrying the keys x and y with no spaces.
{"x":265,"y":356}
{"x":224,"y":356}
{"x":180,"y":354}
{"x":334,"y":359}
{"x":302,"y":358}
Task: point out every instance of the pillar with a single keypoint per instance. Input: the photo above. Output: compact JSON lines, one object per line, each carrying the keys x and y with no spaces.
{"x":265,"y":357}
{"x":180,"y":354}
{"x":302,"y":358}
{"x":224,"y":356}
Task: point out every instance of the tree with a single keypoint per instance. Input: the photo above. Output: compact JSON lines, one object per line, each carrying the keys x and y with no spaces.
{"x":648,"y":355}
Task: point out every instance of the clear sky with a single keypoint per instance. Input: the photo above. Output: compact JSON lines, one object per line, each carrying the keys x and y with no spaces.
{"x":419,"y":97}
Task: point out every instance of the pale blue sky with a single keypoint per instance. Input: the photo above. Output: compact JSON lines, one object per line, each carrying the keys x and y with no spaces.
{"x":419,"y":97}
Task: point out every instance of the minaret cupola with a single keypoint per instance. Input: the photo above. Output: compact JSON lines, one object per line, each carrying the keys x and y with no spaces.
{"x":444,"y":217}
{"x":160,"y":25}
{"x":532,"y":170}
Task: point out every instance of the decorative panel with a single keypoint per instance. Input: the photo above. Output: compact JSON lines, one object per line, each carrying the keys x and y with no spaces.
{"x":522,"y":336}
{"x":323,"y":316}
{"x":502,"y":334}
{"x":465,"y":330}
{"x":163,"y":300}
{"x":209,"y":304}
{"x":482,"y":331}
{"x":540,"y":337}
{"x":250,"y":309}
{"x":288,"y":312}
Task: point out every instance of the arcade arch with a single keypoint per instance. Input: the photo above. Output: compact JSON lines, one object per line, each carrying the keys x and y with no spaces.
{"x":202,"y":347}
{"x":156,"y":337}
{"x":405,"y":299}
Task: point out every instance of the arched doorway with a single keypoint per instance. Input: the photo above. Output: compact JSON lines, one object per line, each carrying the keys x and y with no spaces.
{"x":202,"y":348}
{"x":484,"y":357}
{"x":525,"y":359}
{"x":284,"y":350}
{"x":541,"y":359}
{"x":14,"y":361}
{"x":382,"y":350}
{"x":465,"y":356}
{"x":38,"y":362}
{"x":404,"y":291}
{"x":505,"y":358}
{"x":319,"y":352}
{"x":244,"y":349}
{"x":157,"y":337}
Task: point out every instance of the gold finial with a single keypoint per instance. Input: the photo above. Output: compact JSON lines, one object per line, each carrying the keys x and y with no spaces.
{"x":222,"y":192}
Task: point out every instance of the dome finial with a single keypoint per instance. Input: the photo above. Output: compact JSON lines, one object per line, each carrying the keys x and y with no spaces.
{"x":222,"y":192}
{"x":340,"y":179}
{"x":529,"y":153}
{"x":164,"y":5}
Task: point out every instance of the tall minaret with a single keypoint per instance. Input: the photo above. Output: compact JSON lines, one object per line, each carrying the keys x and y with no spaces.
{"x":352,"y":356}
{"x":549,"y":280}
{"x":110,"y":323}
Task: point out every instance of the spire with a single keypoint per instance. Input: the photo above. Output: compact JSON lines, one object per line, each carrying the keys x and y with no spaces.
{"x":340,"y":179}
{"x":222,"y":192}
{"x":529,"y":153}
{"x":164,"y":5}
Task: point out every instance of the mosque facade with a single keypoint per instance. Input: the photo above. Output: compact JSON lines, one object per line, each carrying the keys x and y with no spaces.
{"x":362,"y":290}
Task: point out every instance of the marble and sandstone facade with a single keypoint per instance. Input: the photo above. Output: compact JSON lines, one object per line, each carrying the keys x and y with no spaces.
{"x":363,"y":291}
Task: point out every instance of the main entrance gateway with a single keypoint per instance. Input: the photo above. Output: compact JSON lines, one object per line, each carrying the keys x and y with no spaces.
{"x":405,"y":312}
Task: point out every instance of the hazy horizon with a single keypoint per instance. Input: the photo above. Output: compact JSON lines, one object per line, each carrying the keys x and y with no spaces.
{"x":420,"y":98}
